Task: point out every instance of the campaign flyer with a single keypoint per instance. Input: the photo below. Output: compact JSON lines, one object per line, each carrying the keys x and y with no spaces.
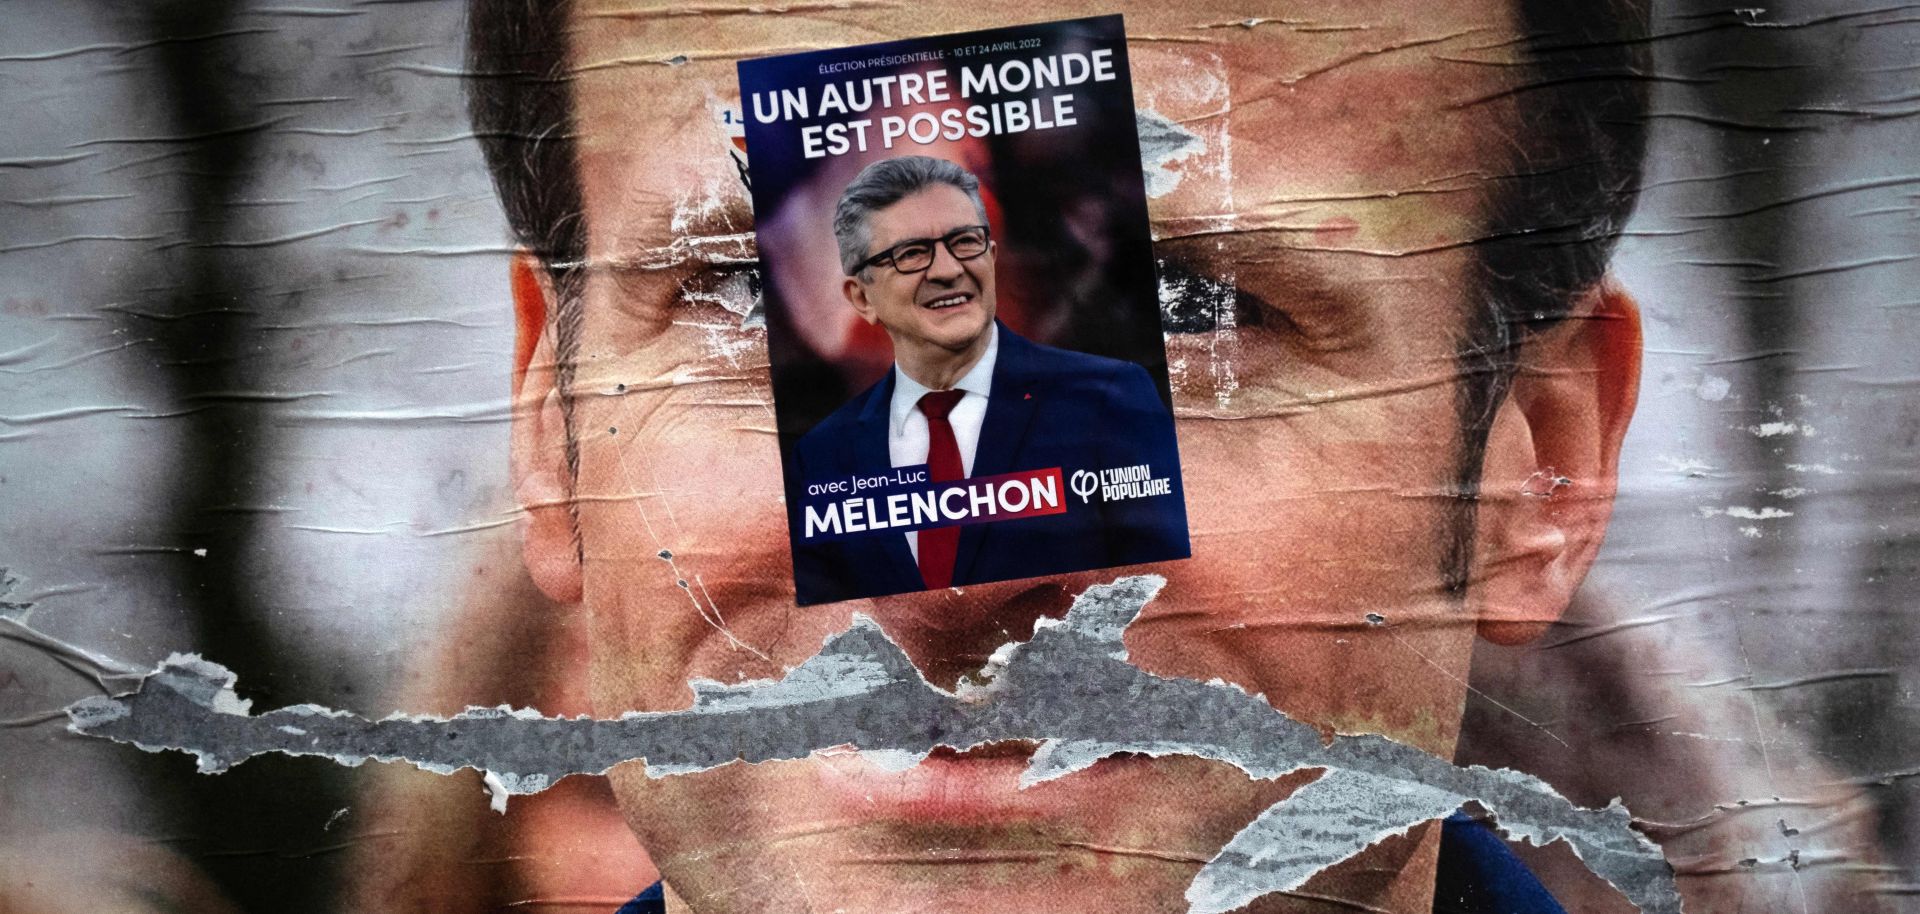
{"x":969,"y":375}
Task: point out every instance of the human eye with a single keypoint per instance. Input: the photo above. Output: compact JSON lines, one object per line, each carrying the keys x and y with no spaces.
{"x":1242,"y":339}
{"x":911,"y":254}
{"x":643,"y":305}
{"x":1313,"y":307}
{"x":1193,"y":302}
{"x":967,"y":242}
{"x":732,"y":288}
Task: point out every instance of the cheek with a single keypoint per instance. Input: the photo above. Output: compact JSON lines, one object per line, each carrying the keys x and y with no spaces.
{"x":1305,"y":523}
{"x":682,"y":528}
{"x":677,"y":446}
{"x":1301,"y":527}
{"x":893,"y":299}
{"x":982,"y":271}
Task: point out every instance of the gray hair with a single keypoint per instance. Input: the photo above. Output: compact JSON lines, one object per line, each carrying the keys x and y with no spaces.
{"x":885,"y":183}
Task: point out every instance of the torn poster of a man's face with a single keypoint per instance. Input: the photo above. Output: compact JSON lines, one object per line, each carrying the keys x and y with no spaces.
{"x":1395,"y":265}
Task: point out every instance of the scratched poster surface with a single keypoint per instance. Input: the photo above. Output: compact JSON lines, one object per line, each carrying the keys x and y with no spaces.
{"x":390,"y":502}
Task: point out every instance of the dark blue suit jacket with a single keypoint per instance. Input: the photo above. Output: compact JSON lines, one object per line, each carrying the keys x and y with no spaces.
{"x":1048,"y":408}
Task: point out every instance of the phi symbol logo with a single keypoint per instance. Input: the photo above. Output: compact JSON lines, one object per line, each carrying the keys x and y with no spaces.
{"x":1084,"y":483}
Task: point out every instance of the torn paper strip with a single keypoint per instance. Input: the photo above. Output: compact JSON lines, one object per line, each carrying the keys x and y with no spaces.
{"x":861,"y":690}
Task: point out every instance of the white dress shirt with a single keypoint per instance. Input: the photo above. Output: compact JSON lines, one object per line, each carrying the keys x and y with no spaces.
{"x":907,"y":436}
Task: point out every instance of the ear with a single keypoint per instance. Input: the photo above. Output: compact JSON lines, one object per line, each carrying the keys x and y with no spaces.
{"x":1552,"y":466}
{"x":542,"y":481}
{"x":856,"y":293}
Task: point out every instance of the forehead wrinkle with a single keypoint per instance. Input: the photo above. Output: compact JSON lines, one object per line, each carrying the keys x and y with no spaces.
{"x":1378,"y":53}
{"x":623,"y":35}
{"x":1285,"y":59}
{"x":683,"y":58}
{"x":1458,"y":182}
{"x":630,"y":10}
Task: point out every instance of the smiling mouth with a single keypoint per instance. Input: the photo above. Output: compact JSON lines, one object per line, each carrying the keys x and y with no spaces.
{"x":950,"y":300}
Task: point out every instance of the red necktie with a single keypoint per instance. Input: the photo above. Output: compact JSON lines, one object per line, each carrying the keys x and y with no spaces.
{"x":939,"y":545}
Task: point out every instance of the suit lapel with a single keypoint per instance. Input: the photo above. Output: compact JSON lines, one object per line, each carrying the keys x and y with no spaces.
{"x":867,"y":453}
{"x":1010,"y":408}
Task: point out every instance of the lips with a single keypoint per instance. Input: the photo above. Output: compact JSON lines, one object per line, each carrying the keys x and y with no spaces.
{"x":977,"y":788}
{"x":973,"y":788}
{"x":948,"y":300}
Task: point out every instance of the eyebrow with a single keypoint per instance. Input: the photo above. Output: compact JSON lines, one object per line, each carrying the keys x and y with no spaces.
{"x":722,"y":236}
{"x":729,"y":218}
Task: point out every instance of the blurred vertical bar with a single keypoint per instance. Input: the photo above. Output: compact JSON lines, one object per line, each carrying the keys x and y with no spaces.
{"x":1806,"y":114}
{"x":212,"y":289}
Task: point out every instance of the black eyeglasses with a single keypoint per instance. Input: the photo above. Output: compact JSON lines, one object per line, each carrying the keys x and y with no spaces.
{"x":915,"y":255}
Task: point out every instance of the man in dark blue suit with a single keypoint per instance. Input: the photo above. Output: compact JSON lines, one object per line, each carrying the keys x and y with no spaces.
{"x":971,"y":399}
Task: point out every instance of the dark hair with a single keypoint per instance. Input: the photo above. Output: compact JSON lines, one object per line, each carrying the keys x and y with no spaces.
{"x":1578,"y":144}
{"x":520,"y":98}
{"x":1578,"y":147}
{"x":884,"y":183}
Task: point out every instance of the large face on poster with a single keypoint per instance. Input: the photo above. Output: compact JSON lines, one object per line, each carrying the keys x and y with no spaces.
{"x":963,"y":222}
{"x":1367,"y":478}
{"x":745,"y":458}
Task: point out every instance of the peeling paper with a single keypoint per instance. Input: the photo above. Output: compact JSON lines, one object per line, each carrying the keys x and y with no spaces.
{"x":1071,"y":687}
{"x":1164,"y":145}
